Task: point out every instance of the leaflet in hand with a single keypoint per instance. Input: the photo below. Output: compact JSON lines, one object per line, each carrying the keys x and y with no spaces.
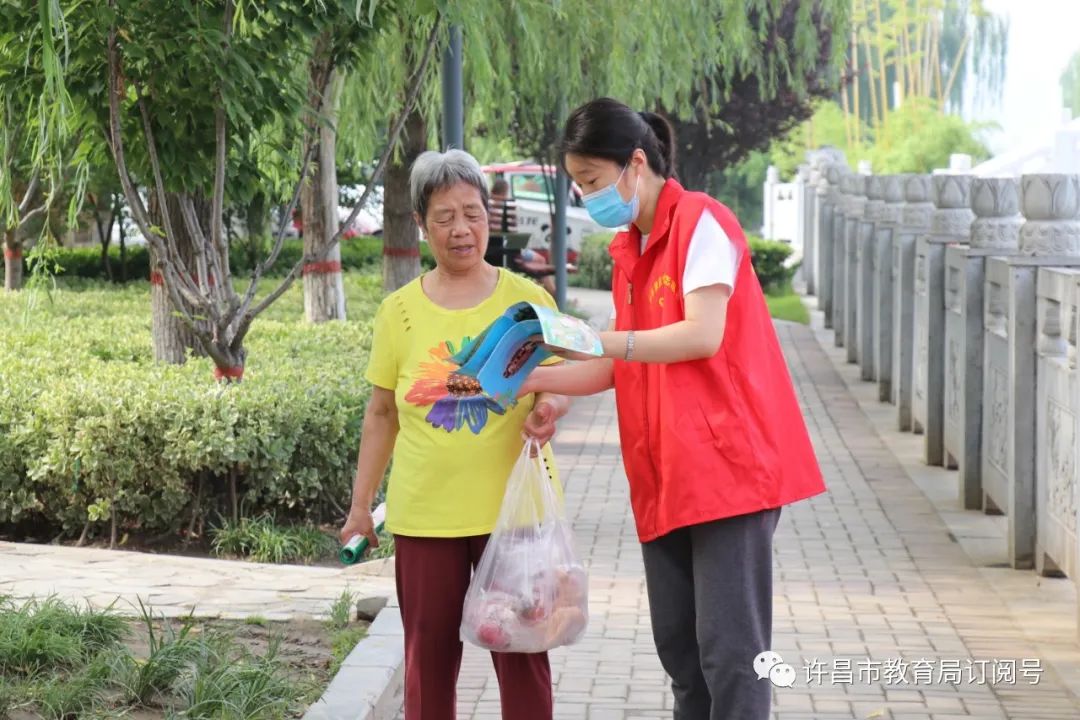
{"x":519,"y":340}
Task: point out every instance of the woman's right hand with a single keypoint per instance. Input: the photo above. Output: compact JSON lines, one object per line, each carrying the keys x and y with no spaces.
{"x":359,"y":522}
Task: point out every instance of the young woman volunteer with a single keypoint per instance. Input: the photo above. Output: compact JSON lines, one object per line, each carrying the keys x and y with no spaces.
{"x":713,"y":439}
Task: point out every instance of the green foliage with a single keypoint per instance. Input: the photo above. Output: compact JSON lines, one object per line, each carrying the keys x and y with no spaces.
{"x":45,"y":634}
{"x":918,"y":138}
{"x":769,"y":258}
{"x":228,"y":681}
{"x":788,"y":306}
{"x":645,"y":54}
{"x":594,"y":262}
{"x":361,"y":253}
{"x":740,"y":188}
{"x":1070,"y":84}
{"x":184,"y":672}
{"x":342,"y":610}
{"x":89,"y":420}
{"x":169,"y":651}
{"x":342,"y":643}
{"x":915,"y":138}
{"x":261,"y":540}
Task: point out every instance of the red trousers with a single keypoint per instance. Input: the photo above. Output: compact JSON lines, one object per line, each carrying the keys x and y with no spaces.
{"x":432,"y":578}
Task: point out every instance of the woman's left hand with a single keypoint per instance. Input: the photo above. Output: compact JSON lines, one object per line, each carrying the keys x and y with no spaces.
{"x":540,"y":424}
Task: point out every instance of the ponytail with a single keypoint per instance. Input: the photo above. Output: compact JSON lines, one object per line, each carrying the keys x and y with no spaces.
{"x":608,"y":129}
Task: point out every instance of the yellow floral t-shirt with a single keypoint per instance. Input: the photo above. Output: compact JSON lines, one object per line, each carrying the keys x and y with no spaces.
{"x":454,"y":451}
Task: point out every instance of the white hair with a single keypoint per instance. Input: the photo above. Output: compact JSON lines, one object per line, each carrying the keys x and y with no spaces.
{"x":434,"y":170}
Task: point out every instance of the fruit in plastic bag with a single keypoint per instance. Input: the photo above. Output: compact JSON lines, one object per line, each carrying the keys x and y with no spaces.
{"x":570,"y":616}
{"x":529,"y":592}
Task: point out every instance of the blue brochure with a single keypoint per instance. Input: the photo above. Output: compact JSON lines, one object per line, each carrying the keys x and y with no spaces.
{"x":502,"y":356}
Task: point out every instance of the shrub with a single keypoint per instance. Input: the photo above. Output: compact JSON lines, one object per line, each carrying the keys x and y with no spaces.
{"x":360,"y":253}
{"x":594,"y":263}
{"x":261,"y":540}
{"x":94,"y":434}
{"x":85,"y":262}
{"x":768,"y":256}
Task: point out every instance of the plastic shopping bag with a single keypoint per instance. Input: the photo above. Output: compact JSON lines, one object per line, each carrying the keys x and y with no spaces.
{"x":529,"y":592}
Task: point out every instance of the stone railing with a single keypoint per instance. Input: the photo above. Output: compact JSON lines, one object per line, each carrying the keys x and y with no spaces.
{"x":960,"y":297}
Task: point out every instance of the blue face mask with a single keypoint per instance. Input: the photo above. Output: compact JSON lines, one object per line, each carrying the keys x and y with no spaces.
{"x":607,"y":207}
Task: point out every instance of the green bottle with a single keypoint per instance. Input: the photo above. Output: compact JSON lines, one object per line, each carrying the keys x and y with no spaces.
{"x":352,"y":551}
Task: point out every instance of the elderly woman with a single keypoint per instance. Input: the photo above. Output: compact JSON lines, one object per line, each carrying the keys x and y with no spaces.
{"x":452,"y":448}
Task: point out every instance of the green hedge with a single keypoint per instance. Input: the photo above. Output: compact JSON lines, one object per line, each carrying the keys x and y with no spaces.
{"x":361,"y":253}
{"x":594,"y":263}
{"x":90,"y":426}
{"x":768,"y":257}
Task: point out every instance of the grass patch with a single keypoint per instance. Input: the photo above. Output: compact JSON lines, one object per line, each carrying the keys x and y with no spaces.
{"x":342,"y":643}
{"x":262,"y":540}
{"x":345,"y":633}
{"x":60,"y":661}
{"x":787,"y":305}
{"x":40,"y":635}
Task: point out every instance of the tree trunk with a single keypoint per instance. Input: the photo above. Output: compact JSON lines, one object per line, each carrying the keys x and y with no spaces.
{"x":401,"y":238}
{"x":123,"y":245}
{"x":171,"y":338}
{"x":324,"y":291}
{"x":13,"y":262}
{"x":104,"y":237}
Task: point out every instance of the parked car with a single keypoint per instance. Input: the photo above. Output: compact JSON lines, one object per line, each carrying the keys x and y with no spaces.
{"x":532,"y":187}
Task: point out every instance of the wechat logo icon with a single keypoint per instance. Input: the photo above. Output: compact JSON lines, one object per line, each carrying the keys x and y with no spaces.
{"x":770,"y":665}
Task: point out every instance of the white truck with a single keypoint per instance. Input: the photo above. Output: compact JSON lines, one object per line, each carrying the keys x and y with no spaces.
{"x":532,"y":187}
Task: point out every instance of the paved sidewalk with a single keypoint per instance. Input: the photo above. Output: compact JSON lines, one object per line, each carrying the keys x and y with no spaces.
{"x":868,"y":574}
{"x":175,"y":586}
{"x":883,"y":567}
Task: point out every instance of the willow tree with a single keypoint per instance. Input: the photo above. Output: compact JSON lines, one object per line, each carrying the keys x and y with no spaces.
{"x":43,"y":144}
{"x":733,"y":118}
{"x":183,"y":88}
{"x":527,"y":62}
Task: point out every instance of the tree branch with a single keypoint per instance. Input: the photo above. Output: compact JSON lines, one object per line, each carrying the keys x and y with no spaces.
{"x":31,"y":190}
{"x":187,"y":287}
{"x":413,"y":93}
{"x":216,"y":235}
{"x":30,"y":217}
{"x":138,"y":209}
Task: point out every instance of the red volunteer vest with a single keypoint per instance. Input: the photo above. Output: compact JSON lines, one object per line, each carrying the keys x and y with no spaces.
{"x":705,"y":439}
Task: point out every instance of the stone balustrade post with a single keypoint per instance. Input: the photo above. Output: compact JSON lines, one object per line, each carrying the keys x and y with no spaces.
{"x":817,"y":199}
{"x":829,"y":203}
{"x":950,"y":223}
{"x":866,"y":264}
{"x":845,"y":209}
{"x":885,"y":228}
{"x":914,"y":223}
{"x":852,"y":226}
{"x":1049,"y":236}
{"x":995,"y":231}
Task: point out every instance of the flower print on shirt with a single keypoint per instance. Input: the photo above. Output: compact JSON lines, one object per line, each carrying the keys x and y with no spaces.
{"x":456,"y":400}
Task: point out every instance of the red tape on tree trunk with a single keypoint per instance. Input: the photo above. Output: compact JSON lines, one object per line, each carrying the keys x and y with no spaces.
{"x":232,"y":373}
{"x":12,"y":253}
{"x":323,"y":268}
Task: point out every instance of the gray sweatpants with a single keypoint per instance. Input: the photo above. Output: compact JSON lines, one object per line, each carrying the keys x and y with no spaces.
{"x":710,"y":594}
